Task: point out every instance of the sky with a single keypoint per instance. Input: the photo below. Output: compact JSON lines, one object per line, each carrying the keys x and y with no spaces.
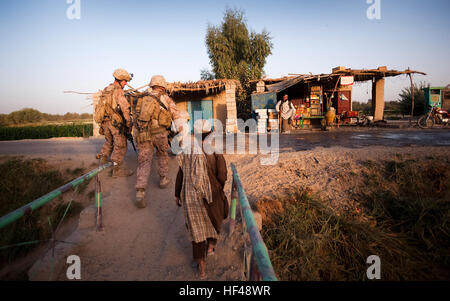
{"x":43,"y":52}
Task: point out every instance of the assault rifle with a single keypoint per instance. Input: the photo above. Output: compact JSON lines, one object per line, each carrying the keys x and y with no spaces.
{"x":127,"y":130}
{"x":130,"y":137}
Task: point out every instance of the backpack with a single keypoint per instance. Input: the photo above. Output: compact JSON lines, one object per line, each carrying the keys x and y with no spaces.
{"x":105,"y":106}
{"x":152,"y":113}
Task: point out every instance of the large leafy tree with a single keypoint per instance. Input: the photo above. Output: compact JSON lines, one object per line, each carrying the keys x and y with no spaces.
{"x":237,"y":53}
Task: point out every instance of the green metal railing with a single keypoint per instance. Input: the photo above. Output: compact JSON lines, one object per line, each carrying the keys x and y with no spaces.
{"x":260,"y":266}
{"x":36,"y":204}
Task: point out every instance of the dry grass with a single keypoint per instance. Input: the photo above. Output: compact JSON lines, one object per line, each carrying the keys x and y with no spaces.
{"x":413,"y":198}
{"x":403,"y":218}
{"x":22,"y":181}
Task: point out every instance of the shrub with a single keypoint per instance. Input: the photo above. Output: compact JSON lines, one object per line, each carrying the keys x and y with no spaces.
{"x":45,"y":132}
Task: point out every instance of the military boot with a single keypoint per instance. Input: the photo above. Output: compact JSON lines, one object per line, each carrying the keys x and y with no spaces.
{"x":164,"y":182}
{"x":140,"y":198}
{"x":120,"y":171}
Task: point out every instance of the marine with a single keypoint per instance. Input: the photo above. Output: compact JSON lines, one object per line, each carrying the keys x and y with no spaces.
{"x":154,"y":114}
{"x":112,"y":112}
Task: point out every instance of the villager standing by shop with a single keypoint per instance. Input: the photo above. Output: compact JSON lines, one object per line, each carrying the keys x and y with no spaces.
{"x":286,"y":110}
{"x":113,"y":114}
{"x":199,"y":189}
{"x":154,"y":115}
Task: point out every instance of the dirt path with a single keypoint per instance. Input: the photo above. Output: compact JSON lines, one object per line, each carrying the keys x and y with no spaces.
{"x":138,"y":244}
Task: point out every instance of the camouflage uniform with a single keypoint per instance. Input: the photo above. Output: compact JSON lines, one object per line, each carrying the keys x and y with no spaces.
{"x":160,"y":141}
{"x":116,"y":143}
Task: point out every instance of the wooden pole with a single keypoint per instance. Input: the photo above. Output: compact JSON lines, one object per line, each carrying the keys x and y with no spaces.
{"x":334,"y":91}
{"x":412,"y":98}
{"x":82,"y":93}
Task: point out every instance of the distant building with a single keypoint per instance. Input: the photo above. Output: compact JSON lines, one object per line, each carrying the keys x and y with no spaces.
{"x":213,"y":98}
{"x":321,"y":91}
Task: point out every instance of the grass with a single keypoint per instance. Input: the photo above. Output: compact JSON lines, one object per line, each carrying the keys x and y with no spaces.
{"x":22,"y":181}
{"x":78,"y":172}
{"x":75,"y":172}
{"x":404,"y":220}
{"x":413,"y":198}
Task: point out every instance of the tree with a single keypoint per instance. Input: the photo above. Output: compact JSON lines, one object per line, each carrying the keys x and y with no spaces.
{"x":4,"y":120}
{"x":86,"y":116}
{"x":419,"y":99}
{"x":26,"y":115}
{"x":236,"y":53}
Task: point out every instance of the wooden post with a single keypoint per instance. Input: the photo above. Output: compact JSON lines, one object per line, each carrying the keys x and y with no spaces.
{"x":378,"y":98}
{"x":412,"y":98}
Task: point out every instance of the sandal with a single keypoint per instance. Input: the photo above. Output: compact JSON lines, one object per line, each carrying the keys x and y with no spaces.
{"x":211,"y":252}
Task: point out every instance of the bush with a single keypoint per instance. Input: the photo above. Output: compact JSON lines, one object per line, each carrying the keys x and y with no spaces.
{"x":46,"y":131}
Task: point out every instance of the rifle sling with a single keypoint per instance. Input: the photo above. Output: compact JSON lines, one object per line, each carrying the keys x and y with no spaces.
{"x":143,"y":94}
{"x":159,"y":101}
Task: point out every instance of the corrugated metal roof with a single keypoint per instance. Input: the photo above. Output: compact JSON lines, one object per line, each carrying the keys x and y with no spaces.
{"x":359,"y":75}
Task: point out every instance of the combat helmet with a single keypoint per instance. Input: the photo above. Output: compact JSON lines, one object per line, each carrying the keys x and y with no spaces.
{"x":122,"y":74}
{"x":158,"y":80}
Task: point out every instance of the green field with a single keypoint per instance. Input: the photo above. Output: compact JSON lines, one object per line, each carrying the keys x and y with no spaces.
{"x":45,"y":131}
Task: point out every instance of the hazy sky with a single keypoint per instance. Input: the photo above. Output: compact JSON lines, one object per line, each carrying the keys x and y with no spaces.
{"x":43,"y":52}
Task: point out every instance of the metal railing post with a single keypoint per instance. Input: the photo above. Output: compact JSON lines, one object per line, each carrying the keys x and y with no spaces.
{"x":98,"y":192}
{"x":233,"y":208}
{"x":32,"y":206}
{"x":255,"y":275}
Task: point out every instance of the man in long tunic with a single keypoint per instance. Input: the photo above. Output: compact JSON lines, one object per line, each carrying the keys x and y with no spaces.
{"x":199,"y":189}
{"x":286,"y":109}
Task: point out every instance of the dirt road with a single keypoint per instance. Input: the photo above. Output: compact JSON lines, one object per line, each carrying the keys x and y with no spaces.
{"x":302,"y":140}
